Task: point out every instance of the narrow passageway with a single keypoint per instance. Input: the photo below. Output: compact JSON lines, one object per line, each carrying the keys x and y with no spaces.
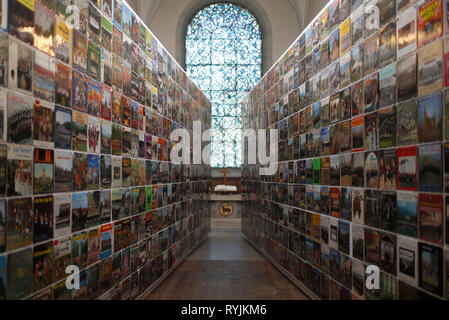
{"x":226,"y":267}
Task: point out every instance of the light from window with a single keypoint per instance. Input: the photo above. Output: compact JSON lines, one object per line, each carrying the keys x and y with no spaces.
{"x":223,"y":57}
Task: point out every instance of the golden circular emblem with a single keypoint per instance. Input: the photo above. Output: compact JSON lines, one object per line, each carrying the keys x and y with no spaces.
{"x":226,"y":209}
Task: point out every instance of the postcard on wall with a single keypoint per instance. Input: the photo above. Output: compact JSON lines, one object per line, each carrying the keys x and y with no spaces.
{"x":345,"y":37}
{"x":127,"y":50}
{"x":387,"y":10}
{"x":62,"y":256}
{"x":334,"y":77}
{"x":430,"y":168}
{"x":430,"y":73}
{"x":63,"y":128}
{"x":371,"y":54}
{"x":106,"y":67}
{"x":79,"y":249}
{"x":79,"y":131}
{"x":446,"y":62}
{"x":369,"y":27}
{"x":44,"y":76}
{"x":3,"y":23}
{"x":43,"y":218}
{"x":406,"y":26}
{"x":106,"y":172}
{"x":430,"y":268}
{"x":3,"y":169}
{"x":94,"y":61}
{"x":127,"y":20}
{"x":356,"y":62}
{"x":20,"y":66}
{"x":79,"y":52}
{"x":372,"y":212}
{"x":407,"y":214}
{"x":345,"y":70}
{"x":106,"y":241}
{"x":371,"y":131}
{"x":44,"y":21}
{"x":388,"y":253}
{"x":430,"y":26}
{"x":387,"y":85}
{"x":20,"y":110}
{"x":20,"y":274}
{"x":358,"y":206}
{"x":431,"y":217}
{"x":19,"y":160}
{"x":117,"y":43}
{"x":43,"y":171}
{"x":430,"y":118}
{"x":43,"y":124}
{"x":407,"y":82}
{"x":106,"y":34}
{"x":446,"y":170}
{"x":387,"y":44}
{"x":19,"y":236}
{"x":94,"y":25}
{"x":63,"y":84}
{"x":407,"y":168}
{"x":387,"y":127}
{"x":83,"y":6}
{"x":334,"y":46}
{"x":371,"y":92}
{"x":371,"y":170}
{"x":389,"y":212}
{"x":407,"y":130}
{"x":63,"y":41}
{"x":117,"y":75}
{"x":93,"y":98}
{"x":357,"y":100}
{"x":357,"y":25}
{"x":21,"y":20}
{"x":4,"y":58}
{"x":79,"y":93}
{"x":357,"y":134}
{"x":3,"y":227}
{"x":116,"y":139}
{"x":63,"y":171}
{"x":334,"y":15}
{"x":93,"y":133}
{"x":106,"y":102}
{"x":106,"y":135}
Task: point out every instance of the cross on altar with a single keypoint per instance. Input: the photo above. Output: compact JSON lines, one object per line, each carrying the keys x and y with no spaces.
{"x":224,"y":171}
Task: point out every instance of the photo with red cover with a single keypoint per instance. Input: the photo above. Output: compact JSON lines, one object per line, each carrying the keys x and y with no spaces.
{"x":407,"y":167}
{"x":430,"y":220}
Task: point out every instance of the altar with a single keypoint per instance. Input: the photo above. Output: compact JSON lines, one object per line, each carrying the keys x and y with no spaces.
{"x":225,"y":199}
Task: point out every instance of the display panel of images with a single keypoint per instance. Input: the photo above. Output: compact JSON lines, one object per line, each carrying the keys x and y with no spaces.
{"x":364,"y":179}
{"x":85,"y":176}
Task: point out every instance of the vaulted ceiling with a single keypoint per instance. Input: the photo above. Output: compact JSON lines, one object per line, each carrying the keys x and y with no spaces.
{"x":304,"y":11}
{"x":145,"y":8}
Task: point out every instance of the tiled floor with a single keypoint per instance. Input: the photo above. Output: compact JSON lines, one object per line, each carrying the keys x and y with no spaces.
{"x":226,"y":267}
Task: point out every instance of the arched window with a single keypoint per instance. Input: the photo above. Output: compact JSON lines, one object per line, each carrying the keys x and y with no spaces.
{"x":224,"y":58}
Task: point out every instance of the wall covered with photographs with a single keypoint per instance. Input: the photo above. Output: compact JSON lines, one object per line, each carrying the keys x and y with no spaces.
{"x":85,"y":177}
{"x":362,"y":110}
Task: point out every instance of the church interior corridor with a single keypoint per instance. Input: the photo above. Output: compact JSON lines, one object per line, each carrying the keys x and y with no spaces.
{"x":226,"y":267}
{"x":165,"y":153}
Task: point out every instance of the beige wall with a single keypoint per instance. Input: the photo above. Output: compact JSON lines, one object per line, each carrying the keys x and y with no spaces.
{"x":283,"y":19}
{"x":314,"y":8}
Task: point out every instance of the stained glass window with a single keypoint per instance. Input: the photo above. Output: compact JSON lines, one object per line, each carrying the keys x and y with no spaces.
{"x":224,"y":58}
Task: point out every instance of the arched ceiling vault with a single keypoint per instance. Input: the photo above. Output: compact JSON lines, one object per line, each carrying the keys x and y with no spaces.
{"x":147,"y":8}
